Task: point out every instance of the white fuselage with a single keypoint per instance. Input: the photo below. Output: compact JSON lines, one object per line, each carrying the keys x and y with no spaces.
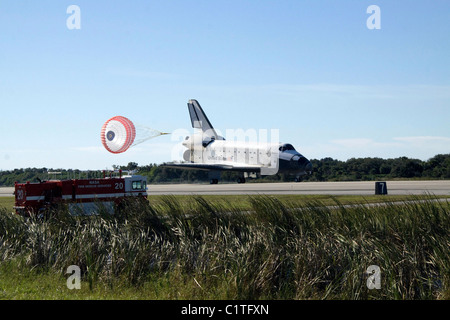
{"x":233,"y":152}
{"x":244,"y":156}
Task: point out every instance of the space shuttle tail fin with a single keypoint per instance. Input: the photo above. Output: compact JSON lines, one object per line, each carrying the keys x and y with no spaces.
{"x":199,"y":119}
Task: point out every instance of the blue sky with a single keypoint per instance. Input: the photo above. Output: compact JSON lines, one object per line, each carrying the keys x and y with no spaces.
{"x":311,"y":69}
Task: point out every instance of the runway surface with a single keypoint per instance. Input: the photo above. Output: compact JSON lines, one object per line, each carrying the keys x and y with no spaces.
{"x":321,"y":188}
{"x":331,"y":188}
{"x":6,"y":192}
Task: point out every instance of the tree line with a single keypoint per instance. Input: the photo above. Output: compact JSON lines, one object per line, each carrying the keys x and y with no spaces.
{"x":326,"y":169}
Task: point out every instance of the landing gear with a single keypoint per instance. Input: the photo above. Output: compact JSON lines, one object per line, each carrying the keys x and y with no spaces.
{"x":240,"y":180}
{"x":214,"y":177}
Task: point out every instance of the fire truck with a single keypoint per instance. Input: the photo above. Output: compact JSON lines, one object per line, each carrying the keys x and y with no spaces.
{"x":82,"y":196}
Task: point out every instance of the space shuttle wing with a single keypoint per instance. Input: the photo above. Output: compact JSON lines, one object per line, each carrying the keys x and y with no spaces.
{"x":226,"y":166}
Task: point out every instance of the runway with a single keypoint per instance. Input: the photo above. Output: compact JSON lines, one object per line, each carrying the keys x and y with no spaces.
{"x":321,"y":188}
{"x":440,"y":187}
{"x":6,"y":192}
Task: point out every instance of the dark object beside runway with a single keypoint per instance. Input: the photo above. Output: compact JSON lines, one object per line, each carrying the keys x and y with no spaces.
{"x":381,"y":187}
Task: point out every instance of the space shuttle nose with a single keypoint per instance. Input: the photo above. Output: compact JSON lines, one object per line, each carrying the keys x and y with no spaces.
{"x":308,"y":167}
{"x":302,"y":163}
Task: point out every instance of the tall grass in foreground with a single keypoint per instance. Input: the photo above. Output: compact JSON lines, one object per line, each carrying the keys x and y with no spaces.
{"x":275,"y":251}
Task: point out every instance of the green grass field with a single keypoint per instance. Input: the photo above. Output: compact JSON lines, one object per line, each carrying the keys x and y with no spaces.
{"x":282,"y":247}
{"x":243,"y":201}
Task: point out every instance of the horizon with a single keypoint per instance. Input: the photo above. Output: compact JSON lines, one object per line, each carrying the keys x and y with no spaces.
{"x":159,"y":164}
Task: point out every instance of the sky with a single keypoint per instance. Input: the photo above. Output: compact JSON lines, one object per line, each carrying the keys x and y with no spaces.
{"x":313,"y":70}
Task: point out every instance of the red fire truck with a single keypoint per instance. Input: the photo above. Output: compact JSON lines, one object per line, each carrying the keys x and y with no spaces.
{"x":82,"y":196}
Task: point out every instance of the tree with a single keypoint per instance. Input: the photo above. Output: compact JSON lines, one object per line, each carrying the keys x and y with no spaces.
{"x":131,"y":166}
{"x":407,"y":168}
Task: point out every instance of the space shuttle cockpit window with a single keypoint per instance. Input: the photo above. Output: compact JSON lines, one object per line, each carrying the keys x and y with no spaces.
{"x":286,"y":147}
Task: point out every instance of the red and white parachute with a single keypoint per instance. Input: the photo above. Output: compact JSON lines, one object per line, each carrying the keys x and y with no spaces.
{"x":119,"y":134}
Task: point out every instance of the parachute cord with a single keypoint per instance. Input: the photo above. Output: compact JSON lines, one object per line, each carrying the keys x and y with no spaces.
{"x":146,"y":133}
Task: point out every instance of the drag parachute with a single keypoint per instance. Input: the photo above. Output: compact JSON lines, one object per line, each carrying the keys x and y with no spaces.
{"x":118,"y":134}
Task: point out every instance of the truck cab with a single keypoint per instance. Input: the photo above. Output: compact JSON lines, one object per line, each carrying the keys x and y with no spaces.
{"x":82,"y":196}
{"x":135,"y":185}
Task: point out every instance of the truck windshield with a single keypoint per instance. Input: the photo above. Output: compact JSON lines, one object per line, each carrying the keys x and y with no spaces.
{"x":137,"y":185}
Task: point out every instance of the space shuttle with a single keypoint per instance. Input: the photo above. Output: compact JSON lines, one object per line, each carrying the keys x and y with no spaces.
{"x":207,"y":150}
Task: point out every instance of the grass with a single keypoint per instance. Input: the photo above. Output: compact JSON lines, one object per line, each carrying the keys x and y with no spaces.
{"x":207,"y":248}
{"x":32,"y":284}
{"x":243,"y":201}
